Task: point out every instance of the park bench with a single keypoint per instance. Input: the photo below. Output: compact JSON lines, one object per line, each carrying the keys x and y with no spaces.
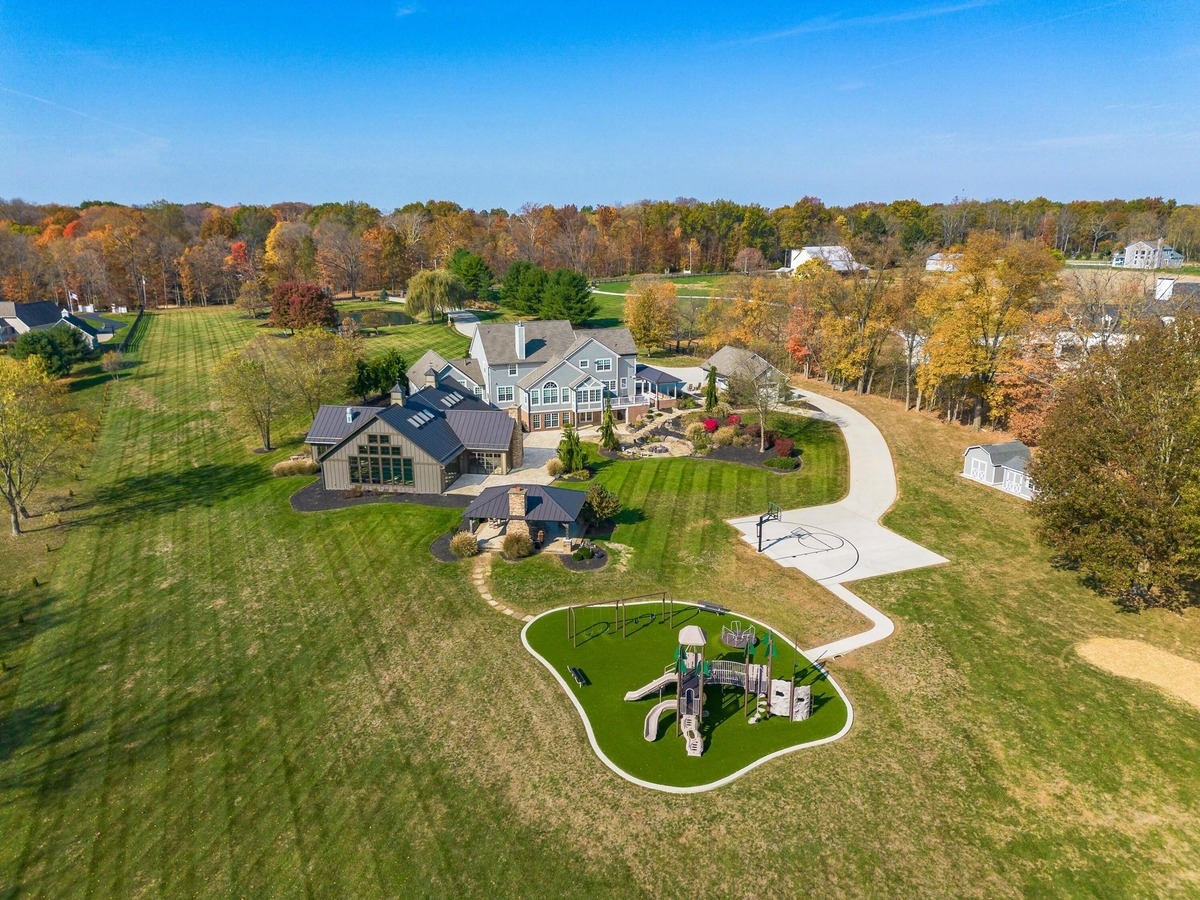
{"x":713,"y":608}
{"x":577,"y":674}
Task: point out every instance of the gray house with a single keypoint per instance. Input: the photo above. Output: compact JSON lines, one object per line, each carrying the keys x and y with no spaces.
{"x":550,"y":374}
{"x":420,"y":444}
{"x":1001,"y":466}
{"x":18,"y":318}
{"x":730,"y":361}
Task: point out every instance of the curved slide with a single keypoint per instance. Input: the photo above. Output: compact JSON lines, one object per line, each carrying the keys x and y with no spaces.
{"x":652,"y":717}
{"x":653,"y":687}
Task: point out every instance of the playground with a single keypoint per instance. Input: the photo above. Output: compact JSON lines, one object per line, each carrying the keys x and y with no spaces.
{"x":682,"y":696}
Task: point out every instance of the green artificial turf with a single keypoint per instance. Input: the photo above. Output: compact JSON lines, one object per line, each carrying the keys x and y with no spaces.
{"x":615,"y":663}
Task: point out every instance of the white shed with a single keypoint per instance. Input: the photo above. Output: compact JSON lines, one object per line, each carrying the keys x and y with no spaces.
{"x":1001,"y":466}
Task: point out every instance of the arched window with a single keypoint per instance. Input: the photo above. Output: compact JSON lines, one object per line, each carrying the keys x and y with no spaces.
{"x":549,"y":392}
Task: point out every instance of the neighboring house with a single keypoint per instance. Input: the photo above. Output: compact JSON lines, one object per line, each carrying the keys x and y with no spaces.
{"x":1000,"y":466}
{"x":91,"y":334}
{"x":419,"y":444}
{"x":943,"y":262}
{"x":838,"y":258}
{"x":730,"y":361}
{"x":1176,"y":294}
{"x":548,"y":374}
{"x":551,"y":512}
{"x":18,"y":318}
{"x":1147,"y":255}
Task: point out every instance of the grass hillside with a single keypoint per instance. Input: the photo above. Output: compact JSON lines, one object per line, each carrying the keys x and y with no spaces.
{"x":217,"y":696}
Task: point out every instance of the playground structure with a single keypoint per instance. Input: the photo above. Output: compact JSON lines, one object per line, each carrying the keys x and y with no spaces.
{"x":690,"y":671}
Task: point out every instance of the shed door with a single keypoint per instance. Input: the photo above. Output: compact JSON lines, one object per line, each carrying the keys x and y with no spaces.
{"x":978,"y":470}
{"x":1014,"y":482}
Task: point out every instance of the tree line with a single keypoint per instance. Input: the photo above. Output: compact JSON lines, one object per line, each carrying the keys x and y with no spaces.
{"x":202,"y":253}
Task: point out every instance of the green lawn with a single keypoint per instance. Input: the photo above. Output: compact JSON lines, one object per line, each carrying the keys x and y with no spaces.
{"x":612,"y":308}
{"x":213,"y":695}
{"x":615,"y":664}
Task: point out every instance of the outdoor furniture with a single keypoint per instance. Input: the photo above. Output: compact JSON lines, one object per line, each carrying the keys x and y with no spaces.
{"x":577,"y":674}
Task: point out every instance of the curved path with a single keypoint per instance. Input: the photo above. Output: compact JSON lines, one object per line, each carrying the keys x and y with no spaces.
{"x":800,"y":539}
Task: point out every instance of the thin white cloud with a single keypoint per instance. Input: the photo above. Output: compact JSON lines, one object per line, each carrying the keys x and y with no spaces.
{"x":835,"y":23}
{"x":406,"y":9}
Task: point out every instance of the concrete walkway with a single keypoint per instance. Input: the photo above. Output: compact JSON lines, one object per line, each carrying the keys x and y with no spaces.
{"x":464,"y":322}
{"x":844,"y":542}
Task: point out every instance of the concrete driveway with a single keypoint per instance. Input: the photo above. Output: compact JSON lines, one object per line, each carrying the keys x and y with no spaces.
{"x":843,"y":542}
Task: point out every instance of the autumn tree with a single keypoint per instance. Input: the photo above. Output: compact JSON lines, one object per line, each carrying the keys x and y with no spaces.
{"x":652,"y":313}
{"x":255,"y":386}
{"x":252,"y":298}
{"x":299,"y":304}
{"x":568,"y":295}
{"x":290,"y":253}
{"x":761,"y":391}
{"x":340,"y":255}
{"x":982,"y":312}
{"x":39,"y":433}
{"x":1118,"y":469}
{"x":321,"y":365}
{"x":749,"y":259}
{"x":433,"y":291}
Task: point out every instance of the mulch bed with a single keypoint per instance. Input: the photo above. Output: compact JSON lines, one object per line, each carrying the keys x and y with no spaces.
{"x":314,"y":498}
{"x":441,"y":548}
{"x":599,"y":561}
{"x":747,"y":456}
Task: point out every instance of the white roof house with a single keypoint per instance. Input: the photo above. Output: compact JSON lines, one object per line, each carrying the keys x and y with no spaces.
{"x":838,"y":258}
{"x":1147,"y":255}
{"x":943,"y":262}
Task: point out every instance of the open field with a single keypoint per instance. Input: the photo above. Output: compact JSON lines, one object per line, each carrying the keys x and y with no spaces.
{"x":612,"y":308}
{"x":217,"y":696}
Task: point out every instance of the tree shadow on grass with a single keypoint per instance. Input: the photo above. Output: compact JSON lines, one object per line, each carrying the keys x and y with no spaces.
{"x":167,"y":492}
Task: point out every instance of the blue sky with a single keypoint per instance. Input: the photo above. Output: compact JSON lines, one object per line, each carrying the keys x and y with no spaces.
{"x":497,"y":104}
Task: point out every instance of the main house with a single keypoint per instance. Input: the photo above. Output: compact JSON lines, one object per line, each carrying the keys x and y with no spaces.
{"x":420,"y":444}
{"x":546,"y":374}
{"x":40,"y":315}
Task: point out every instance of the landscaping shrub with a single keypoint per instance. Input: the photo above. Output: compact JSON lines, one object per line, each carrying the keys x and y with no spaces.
{"x":786,"y":463}
{"x":517,"y":545}
{"x":464,"y":544}
{"x":295,"y":467}
{"x":554,"y":467}
{"x":695,"y":431}
{"x":584,"y":552}
{"x":601,"y":504}
{"x":710,"y":425}
{"x":722,"y":410}
{"x":724,"y":436}
{"x":743,"y":440}
{"x":686,"y":402}
{"x":784,"y":446}
{"x":734,"y":419}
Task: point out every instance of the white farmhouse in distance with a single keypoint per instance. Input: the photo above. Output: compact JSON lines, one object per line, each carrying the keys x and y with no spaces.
{"x":943,"y":262}
{"x":1145,"y":255}
{"x":838,"y":258}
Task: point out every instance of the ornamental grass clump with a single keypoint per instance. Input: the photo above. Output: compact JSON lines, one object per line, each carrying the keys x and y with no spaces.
{"x":554,"y":467}
{"x":464,"y":545}
{"x":517,"y":545}
{"x":295,"y":467}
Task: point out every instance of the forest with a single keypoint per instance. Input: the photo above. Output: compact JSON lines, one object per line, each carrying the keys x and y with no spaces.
{"x":200,"y":253}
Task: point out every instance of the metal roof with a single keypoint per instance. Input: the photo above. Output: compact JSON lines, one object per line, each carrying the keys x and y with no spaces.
{"x":656,"y":376}
{"x":482,"y":429}
{"x":441,"y":399}
{"x":542,"y":504}
{"x":330,"y":425}
{"x":431,"y":433}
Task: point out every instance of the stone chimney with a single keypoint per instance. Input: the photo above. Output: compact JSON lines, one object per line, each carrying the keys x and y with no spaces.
{"x":430,"y":378}
{"x":397,"y":393}
{"x":517,"y":505}
{"x":519,"y":331}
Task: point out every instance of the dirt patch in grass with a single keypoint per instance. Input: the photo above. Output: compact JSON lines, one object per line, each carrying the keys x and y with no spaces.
{"x":1138,"y":660}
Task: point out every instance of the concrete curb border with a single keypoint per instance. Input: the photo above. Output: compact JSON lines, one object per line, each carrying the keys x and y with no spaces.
{"x":700,"y":788}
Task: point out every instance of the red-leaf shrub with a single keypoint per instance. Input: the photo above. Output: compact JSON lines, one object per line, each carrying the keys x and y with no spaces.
{"x":710,"y":425}
{"x":784,"y":446}
{"x":734,"y":420}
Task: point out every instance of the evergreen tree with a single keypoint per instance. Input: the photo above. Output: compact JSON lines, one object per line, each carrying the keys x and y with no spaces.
{"x":521,"y":290}
{"x":474,"y":272}
{"x":710,"y":390}
{"x":608,"y":429}
{"x":568,"y":295}
{"x":570,"y":450}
